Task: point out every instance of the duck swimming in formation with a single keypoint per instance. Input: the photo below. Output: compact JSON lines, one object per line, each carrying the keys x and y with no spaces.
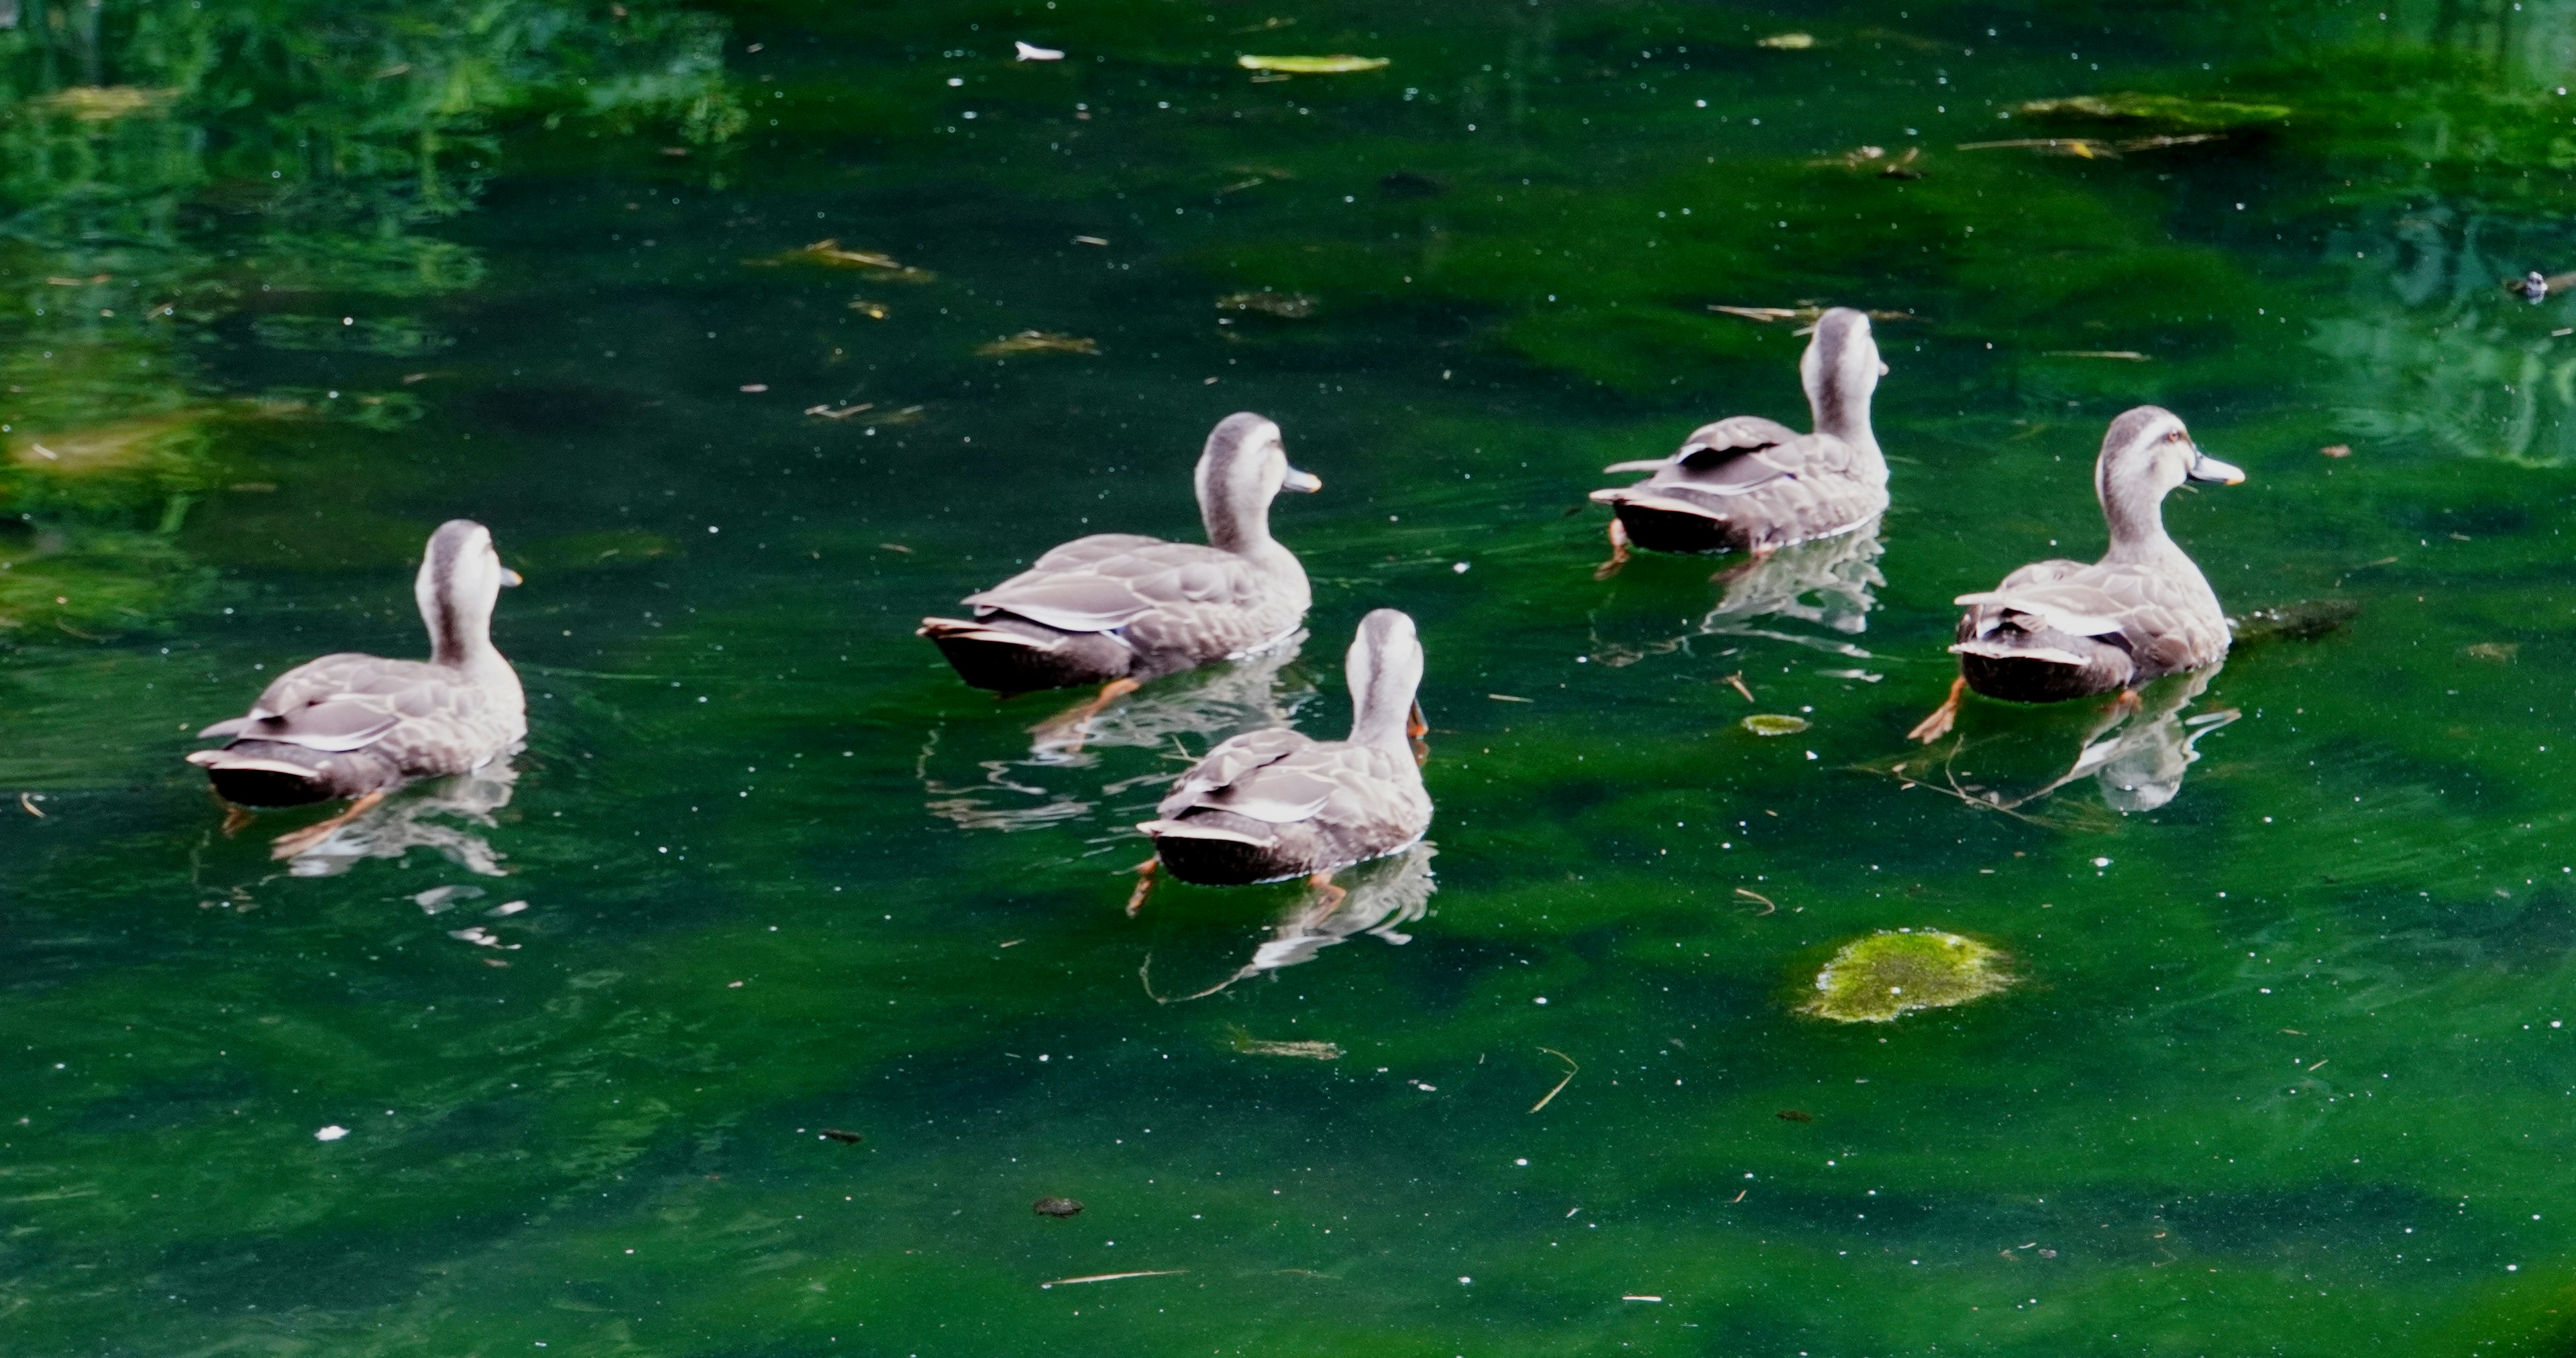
{"x":1117,"y":609}
{"x":353,"y":725}
{"x":1269,"y":805}
{"x":2062,"y":629}
{"x":1748,"y":484}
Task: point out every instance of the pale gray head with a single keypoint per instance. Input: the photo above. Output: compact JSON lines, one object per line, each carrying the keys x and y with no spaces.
{"x":2145,"y":455}
{"x":1243,"y":469}
{"x":1841,"y":368}
{"x":1384,"y":668}
{"x":460,"y":580}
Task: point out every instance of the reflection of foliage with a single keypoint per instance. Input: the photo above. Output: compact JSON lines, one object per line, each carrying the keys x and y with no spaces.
{"x":164,"y":164}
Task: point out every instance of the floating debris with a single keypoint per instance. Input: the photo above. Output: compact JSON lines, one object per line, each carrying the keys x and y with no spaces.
{"x":98,"y":103}
{"x":1333,"y":65}
{"x":2305,"y":620}
{"x":1287,"y":306}
{"x":1037,"y":342}
{"x":1874,"y":979}
{"x":829,"y":254}
{"x":2091,"y":148}
{"x":1510,"y":698}
{"x":1258,"y":1046}
{"x":1863,"y":676}
{"x":2125,"y":355}
{"x":2168,"y":109}
{"x":2494,"y":652}
{"x":1875,"y":158}
{"x":1787,"y":42}
{"x":331,"y":1133}
{"x":2336,"y":450}
{"x":1113,"y":1277}
{"x":1571,"y":1070}
{"x":875,"y":311}
{"x":826,"y":411}
{"x":1774,"y":724}
{"x":2534,"y":286}
{"x":1056,"y":1207}
{"x":1807,"y":314}
{"x":853,"y":1138}
{"x":1793,"y":1115}
{"x":1031,"y":52}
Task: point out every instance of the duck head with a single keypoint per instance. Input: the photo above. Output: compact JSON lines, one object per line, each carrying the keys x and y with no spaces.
{"x":1384,"y":669}
{"x":1841,"y":369}
{"x":460,"y":580}
{"x":2146,"y":454}
{"x":1243,"y":469}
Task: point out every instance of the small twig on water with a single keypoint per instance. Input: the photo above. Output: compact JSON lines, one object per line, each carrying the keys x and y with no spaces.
{"x":27,"y":803}
{"x":1769,"y":906}
{"x":1113,"y":1277}
{"x":1571,"y":1070}
{"x":1736,"y":680}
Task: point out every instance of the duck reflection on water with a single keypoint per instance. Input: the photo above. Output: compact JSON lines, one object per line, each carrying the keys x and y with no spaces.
{"x":1171,"y":716}
{"x":1377,"y":898}
{"x":1816,"y":594}
{"x":2136,"y":749}
{"x":436,"y":815}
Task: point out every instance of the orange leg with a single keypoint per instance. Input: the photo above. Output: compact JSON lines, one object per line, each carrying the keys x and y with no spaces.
{"x":1330,"y":896}
{"x":1618,"y":551}
{"x":1937,"y":725}
{"x":1072,"y":719}
{"x":1144,"y":885}
{"x":235,"y":817}
{"x":294,"y":842}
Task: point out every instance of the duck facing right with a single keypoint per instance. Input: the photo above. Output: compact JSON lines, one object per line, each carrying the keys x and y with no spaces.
{"x":2055,"y":630}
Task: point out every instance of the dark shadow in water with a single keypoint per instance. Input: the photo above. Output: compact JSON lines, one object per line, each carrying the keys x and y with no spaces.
{"x":1203,"y":706}
{"x":1376,"y":898}
{"x":1816,"y":594}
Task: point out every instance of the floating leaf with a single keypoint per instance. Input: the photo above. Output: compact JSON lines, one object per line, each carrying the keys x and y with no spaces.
{"x":1774,"y":724}
{"x":1335,"y":65}
{"x":1257,"y":1046}
{"x":1037,"y":342}
{"x":1788,"y":42}
{"x":1874,"y":979}
{"x":2171,"y":110}
{"x":829,"y":254}
{"x":1291,"y":306}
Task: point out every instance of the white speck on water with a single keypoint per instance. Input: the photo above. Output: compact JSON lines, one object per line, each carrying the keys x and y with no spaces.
{"x":331,"y":1133}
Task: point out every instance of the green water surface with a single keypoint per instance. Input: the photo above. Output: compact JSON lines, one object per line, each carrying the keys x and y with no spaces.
{"x":285,"y":283}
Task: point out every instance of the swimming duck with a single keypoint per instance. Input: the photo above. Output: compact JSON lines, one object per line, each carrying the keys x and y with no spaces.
{"x":2061,"y":629}
{"x":1270,"y":805}
{"x":1117,"y":609}
{"x":353,"y":725}
{"x":1749,"y":484}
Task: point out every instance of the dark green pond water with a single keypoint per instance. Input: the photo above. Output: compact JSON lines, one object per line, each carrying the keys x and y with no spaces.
{"x":2282,"y":1070}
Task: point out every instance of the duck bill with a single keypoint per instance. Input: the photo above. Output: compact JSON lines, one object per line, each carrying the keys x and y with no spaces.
{"x":512,"y":578}
{"x":2207,"y":468}
{"x":1307,"y":482}
{"x":1415,"y":728}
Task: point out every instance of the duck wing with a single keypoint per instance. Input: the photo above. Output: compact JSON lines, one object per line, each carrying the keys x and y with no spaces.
{"x":342,"y":702}
{"x":1242,"y":775}
{"x":2076,"y":607}
{"x":1731,"y":457}
{"x":1102,"y":583}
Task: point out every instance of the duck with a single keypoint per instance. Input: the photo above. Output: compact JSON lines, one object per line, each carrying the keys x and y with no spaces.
{"x":1119,"y":609}
{"x":1266,"y":806}
{"x":358,"y":726}
{"x":1747,"y":484}
{"x":2055,"y":630}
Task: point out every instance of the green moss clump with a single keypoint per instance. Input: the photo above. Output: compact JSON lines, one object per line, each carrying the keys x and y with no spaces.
{"x":1874,"y":979}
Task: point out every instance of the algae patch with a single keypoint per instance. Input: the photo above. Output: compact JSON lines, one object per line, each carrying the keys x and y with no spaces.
{"x":1874,"y":979}
{"x":1773,"y":724}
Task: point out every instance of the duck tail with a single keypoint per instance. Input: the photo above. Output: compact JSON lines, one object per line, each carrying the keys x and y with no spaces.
{"x":272,"y":773}
{"x":1205,"y":850}
{"x":1014,"y":655}
{"x":2043,"y":665}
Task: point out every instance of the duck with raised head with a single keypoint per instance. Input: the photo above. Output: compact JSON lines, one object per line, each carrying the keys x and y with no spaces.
{"x":2055,"y":630}
{"x":353,"y":725}
{"x":1747,"y":484}
{"x":1117,"y":609}
{"x":1270,"y":805}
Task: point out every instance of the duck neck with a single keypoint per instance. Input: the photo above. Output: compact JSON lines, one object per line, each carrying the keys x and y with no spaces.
{"x":2137,"y":529}
{"x":458,"y":638}
{"x":1233,"y":525}
{"x":1841,"y":412}
{"x":1381,"y":711}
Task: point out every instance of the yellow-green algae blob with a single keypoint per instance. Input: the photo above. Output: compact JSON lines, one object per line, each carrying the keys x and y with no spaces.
{"x":1773,"y":724}
{"x":1874,"y":979}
